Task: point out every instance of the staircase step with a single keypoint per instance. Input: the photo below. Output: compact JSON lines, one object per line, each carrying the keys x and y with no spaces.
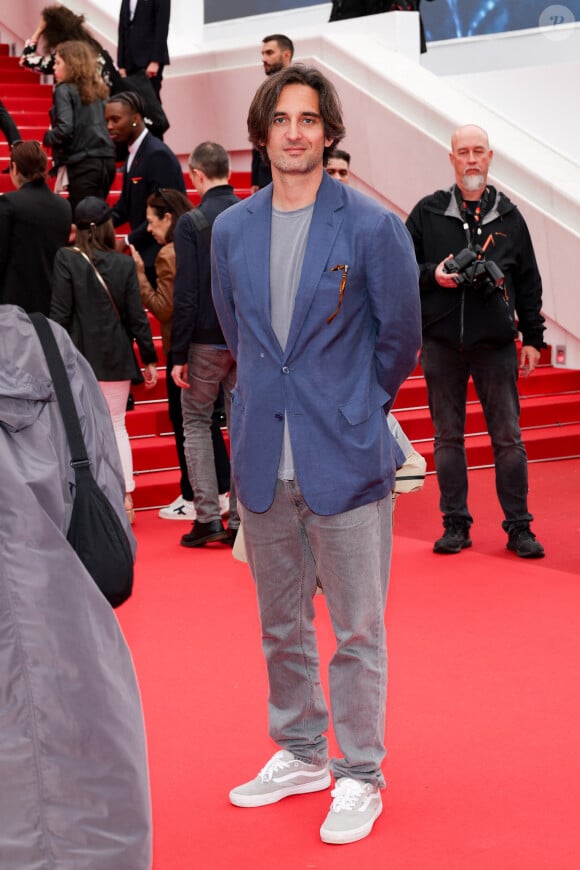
{"x":149,"y":419}
{"x":39,"y":102}
{"x":14,"y":75}
{"x":537,"y":411}
{"x":25,"y":118}
{"x":154,"y":452}
{"x":192,"y":195}
{"x":156,"y":489}
{"x":30,"y":87}
{"x":547,"y":443}
{"x":546,"y":380}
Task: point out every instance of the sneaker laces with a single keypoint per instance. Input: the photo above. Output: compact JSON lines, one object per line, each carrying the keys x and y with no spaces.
{"x":523,"y":534}
{"x":275,"y":764}
{"x":346,"y":794}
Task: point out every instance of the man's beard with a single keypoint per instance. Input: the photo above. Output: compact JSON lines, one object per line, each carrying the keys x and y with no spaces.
{"x":273,"y":68}
{"x":473,"y":182}
{"x":292,"y":168}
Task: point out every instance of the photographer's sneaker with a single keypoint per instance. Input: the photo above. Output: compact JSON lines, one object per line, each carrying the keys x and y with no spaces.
{"x":180,"y":509}
{"x":523,"y":543}
{"x":353,"y":812}
{"x":454,"y":540}
{"x":282,"y":776}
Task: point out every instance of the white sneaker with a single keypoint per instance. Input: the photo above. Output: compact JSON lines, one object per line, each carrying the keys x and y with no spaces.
{"x":224,"y":498}
{"x":282,"y":776}
{"x":180,"y":509}
{"x":353,"y":812}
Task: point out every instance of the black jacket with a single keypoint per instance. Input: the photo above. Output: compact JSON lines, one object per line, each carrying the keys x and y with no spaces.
{"x":143,"y":39}
{"x":78,"y":130}
{"x":80,"y":304}
{"x":34,"y":224}
{"x":261,"y":172}
{"x":194,"y":316}
{"x":465,"y":316}
{"x":154,"y":166}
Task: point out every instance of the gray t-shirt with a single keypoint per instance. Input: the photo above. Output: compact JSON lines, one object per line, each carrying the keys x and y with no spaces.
{"x":287,"y":247}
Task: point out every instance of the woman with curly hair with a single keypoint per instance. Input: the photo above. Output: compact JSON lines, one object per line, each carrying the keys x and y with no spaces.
{"x":82,"y":150}
{"x":59,"y":24}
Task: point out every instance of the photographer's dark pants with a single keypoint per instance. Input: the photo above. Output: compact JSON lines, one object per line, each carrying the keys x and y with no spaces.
{"x":495,"y":372}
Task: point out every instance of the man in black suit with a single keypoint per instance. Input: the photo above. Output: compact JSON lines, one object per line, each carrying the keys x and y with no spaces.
{"x":142,"y":38}
{"x":151,"y":165}
{"x":34,"y":224}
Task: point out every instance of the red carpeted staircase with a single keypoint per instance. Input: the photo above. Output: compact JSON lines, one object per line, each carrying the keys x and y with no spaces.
{"x":550,"y":398}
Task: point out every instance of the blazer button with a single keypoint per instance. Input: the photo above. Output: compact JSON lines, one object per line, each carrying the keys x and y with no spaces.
{"x":279,"y":416}
{"x":285,"y":370}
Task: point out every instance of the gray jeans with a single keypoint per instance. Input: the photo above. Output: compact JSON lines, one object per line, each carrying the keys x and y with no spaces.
{"x":208,"y":368}
{"x":288,"y":546}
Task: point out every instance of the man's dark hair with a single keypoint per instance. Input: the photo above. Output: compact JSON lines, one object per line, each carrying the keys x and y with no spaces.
{"x":211,"y":159}
{"x":266,"y":98}
{"x":131,"y":99}
{"x":339,"y":154}
{"x":28,"y":159}
{"x":284,"y":42}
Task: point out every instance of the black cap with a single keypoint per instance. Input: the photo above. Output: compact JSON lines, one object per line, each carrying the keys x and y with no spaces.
{"x":92,"y":212}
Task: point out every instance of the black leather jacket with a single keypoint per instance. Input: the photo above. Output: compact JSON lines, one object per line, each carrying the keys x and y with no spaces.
{"x":77,"y":130}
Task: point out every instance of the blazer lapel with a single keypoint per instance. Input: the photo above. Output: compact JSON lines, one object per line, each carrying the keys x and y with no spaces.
{"x":257,"y":233}
{"x":326,"y":222}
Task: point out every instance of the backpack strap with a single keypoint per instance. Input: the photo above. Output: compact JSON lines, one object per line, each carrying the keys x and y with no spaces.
{"x":201,"y":224}
{"x":70,"y":418}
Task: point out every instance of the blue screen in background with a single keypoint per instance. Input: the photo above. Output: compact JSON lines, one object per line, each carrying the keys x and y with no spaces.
{"x":443,"y":19}
{"x":446,"y":19}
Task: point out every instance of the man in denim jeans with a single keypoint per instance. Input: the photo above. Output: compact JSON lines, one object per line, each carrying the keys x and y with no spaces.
{"x":202,"y":361}
{"x":469,"y":328}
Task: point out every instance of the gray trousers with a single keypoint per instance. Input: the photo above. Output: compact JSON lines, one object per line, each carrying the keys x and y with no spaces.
{"x":208,"y":368}
{"x":288,"y":546}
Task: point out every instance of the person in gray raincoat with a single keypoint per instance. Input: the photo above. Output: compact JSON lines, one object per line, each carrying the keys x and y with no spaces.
{"x":74,"y":785}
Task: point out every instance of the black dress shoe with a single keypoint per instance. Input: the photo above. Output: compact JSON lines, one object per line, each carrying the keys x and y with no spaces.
{"x":232,"y":535}
{"x":204,"y":533}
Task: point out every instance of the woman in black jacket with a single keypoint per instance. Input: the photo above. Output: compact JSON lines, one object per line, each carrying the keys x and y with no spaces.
{"x":80,"y":142}
{"x":95,"y":296}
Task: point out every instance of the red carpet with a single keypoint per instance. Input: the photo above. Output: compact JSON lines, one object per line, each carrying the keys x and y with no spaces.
{"x":484,"y":710}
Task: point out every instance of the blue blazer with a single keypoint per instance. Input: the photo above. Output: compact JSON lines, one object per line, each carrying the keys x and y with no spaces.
{"x":334,"y":380}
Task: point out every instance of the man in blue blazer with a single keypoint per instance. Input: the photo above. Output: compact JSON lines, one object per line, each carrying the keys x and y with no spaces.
{"x":150,"y":165}
{"x":316,"y":289}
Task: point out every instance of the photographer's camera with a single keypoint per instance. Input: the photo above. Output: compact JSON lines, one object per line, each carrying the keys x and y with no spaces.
{"x":472,"y":269}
